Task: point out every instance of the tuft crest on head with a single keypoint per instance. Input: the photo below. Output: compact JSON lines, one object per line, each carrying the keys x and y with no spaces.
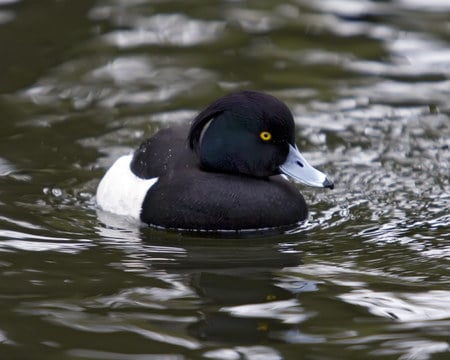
{"x":245,"y":104}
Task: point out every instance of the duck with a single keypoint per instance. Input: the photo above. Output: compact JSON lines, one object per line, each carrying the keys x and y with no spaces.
{"x":230,"y":170}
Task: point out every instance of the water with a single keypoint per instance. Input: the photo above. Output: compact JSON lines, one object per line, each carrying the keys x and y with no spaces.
{"x":366,"y":277}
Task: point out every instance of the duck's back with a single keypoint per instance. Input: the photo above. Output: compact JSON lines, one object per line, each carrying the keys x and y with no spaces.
{"x":166,"y":151}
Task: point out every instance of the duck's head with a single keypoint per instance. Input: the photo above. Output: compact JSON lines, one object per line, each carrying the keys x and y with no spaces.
{"x":251,"y":133}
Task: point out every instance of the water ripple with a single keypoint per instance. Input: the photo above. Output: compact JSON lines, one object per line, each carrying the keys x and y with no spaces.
{"x":31,"y":242}
{"x":164,"y":29}
{"x":366,"y":275}
{"x":287,"y":311}
{"x":430,"y":305}
{"x":105,"y":355}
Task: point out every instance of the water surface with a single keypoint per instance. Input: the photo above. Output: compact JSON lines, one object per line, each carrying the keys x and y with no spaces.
{"x":367,"y":276}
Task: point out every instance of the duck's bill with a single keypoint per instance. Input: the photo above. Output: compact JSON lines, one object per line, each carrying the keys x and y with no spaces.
{"x":299,"y":170}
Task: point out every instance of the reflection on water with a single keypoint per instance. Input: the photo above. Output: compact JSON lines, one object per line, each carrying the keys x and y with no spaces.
{"x":430,"y":305}
{"x":161,"y":29}
{"x":366,"y":276}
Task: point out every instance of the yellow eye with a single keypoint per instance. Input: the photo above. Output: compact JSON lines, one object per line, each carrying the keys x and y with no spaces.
{"x":265,"y":135}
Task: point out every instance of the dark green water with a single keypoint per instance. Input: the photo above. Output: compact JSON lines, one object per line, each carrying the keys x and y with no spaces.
{"x":367,"y":277}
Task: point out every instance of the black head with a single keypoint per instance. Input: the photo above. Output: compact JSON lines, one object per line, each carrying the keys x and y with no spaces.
{"x":246,"y":132}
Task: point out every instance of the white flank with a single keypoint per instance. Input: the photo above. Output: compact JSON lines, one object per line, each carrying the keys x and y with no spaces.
{"x":120,"y":191}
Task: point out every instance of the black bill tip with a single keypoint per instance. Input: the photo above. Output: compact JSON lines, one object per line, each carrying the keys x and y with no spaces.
{"x":328,"y":184}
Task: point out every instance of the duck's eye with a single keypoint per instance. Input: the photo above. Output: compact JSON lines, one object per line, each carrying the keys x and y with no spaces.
{"x":265,"y":135}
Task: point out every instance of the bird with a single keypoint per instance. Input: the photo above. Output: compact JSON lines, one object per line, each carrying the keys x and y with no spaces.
{"x":230,"y":170}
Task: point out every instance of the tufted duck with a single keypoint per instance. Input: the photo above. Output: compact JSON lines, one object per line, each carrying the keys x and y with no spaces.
{"x":224,"y":173}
